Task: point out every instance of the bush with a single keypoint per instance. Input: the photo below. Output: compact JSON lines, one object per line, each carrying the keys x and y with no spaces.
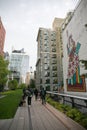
{"x":73,"y":113}
{"x":13,"y":84}
{"x":84,"y":122}
{"x":23,"y":85}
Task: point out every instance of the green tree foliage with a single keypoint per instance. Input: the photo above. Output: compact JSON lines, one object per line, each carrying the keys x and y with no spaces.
{"x":85,"y":63}
{"x":23,"y":85}
{"x":12,"y":84}
{"x":32,"y":83}
{"x":3,"y":72}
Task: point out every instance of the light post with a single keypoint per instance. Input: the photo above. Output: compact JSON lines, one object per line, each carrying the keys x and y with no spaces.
{"x":30,"y":75}
{"x":31,"y":72}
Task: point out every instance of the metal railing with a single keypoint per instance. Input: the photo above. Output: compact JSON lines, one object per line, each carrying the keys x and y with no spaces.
{"x":71,"y":97}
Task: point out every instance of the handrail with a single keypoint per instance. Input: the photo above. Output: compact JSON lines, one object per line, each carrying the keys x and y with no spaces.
{"x":67,"y":95}
{"x":72,"y":97}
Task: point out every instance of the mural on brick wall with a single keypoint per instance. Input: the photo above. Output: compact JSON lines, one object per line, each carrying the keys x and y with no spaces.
{"x":75,"y":82}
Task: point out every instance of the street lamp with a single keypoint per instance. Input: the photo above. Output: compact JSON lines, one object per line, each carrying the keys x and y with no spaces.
{"x":31,"y":72}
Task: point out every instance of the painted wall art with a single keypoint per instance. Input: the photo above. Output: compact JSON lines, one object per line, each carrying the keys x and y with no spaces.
{"x":75,"y":82}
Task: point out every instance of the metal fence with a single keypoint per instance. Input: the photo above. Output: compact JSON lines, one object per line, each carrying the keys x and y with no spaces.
{"x":75,"y":101}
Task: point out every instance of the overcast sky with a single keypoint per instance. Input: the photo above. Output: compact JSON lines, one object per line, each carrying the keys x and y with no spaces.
{"x":22,"y":19}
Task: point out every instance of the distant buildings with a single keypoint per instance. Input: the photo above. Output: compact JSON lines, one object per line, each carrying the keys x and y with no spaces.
{"x":74,"y":36}
{"x":27,"y":79}
{"x":19,"y":65}
{"x":6,"y":56}
{"x":2,"y":38}
{"x":49,"y":61}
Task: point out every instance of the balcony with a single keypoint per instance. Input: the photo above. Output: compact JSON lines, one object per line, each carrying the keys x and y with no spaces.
{"x":53,"y":49}
{"x":55,"y":81}
{"x":47,"y":81}
{"x":46,"y":68}
{"x":53,"y":44}
{"x":54,"y":56}
{"x":54,"y":62}
{"x":54,"y":68}
{"x":47,"y":74}
{"x":54,"y":74}
{"x":53,"y":39}
{"x":45,"y":44}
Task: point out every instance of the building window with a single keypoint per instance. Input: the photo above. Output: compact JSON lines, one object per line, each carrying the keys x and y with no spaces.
{"x":54,"y":68}
{"x":53,"y":49}
{"x":54,"y":61}
{"x":47,"y":81}
{"x":54,"y":56}
{"x":54,"y":74}
{"x":55,"y":81}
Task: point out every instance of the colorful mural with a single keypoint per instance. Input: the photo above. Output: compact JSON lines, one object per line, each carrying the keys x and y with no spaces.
{"x":74,"y":81}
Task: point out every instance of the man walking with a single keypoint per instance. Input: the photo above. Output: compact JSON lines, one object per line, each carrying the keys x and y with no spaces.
{"x":43,"y":96}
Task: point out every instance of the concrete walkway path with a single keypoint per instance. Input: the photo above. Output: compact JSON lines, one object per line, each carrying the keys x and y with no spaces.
{"x":39,"y":117}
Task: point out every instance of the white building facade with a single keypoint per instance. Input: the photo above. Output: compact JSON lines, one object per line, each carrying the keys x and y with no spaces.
{"x":19,"y":65}
{"x":74,"y":36}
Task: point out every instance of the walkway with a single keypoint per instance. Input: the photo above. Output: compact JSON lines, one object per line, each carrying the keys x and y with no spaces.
{"x":39,"y":117}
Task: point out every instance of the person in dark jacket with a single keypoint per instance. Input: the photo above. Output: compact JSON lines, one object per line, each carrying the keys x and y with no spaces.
{"x":29,"y":94}
{"x":36,"y":93}
{"x":43,"y":95}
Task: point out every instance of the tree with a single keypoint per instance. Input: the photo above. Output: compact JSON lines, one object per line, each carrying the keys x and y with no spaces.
{"x":3,"y":72}
{"x":12,"y":84}
{"x":32,"y":83}
{"x":23,"y":85}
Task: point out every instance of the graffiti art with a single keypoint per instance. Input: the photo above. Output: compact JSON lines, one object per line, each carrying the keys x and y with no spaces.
{"x":75,"y":82}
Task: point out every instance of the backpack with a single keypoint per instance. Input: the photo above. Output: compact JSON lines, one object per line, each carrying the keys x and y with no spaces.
{"x":43,"y":93}
{"x":28,"y":93}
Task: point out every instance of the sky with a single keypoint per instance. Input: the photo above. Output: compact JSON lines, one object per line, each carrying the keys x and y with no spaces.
{"x":23,"y":18}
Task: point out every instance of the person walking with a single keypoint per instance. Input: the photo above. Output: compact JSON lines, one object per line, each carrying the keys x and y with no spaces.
{"x":36,"y":93}
{"x":29,"y":94}
{"x":43,"y":96}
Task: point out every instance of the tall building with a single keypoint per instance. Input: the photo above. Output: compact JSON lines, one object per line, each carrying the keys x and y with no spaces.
{"x":57,"y":26}
{"x":74,"y":35}
{"x":27,"y":79}
{"x":47,"y":59}
{"x":2,"y":38}
{"x":19,"y":65}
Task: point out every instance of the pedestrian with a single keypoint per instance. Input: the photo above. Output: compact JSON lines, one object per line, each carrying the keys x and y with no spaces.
{"x":43,"y":95}
{"x":36,"y":93}
{"x":24,"y":92}
{"x":29,"y":94}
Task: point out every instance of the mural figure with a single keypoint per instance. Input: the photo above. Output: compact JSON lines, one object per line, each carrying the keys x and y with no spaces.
{"x":73,"y":67}
{"x":73,"y":78}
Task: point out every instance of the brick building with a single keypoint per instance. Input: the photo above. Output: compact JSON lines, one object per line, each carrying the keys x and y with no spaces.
{"x":2,"y":37}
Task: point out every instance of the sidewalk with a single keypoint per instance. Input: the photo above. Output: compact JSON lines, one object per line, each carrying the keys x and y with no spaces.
{"x":68,"y":122}
{"x":39,"y":117}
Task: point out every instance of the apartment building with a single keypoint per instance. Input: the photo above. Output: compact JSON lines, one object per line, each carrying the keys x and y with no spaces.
{"x":48,"y":66}
{"x":2,"y":38}
{"x":74,"y":36}
{"x":57,"y":26}
{"x":19,"y":65}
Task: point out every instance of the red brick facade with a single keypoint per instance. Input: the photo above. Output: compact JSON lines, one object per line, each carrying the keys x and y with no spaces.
{"x":2,"y":38}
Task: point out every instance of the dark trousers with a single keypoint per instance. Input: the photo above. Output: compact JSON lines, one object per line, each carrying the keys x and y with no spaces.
{"x":29,"y":100}
{"x":36,"y":95}
{"x":43,"y":100}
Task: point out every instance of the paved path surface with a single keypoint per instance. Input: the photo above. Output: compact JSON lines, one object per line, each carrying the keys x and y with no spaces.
{"x":39,"y":117}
